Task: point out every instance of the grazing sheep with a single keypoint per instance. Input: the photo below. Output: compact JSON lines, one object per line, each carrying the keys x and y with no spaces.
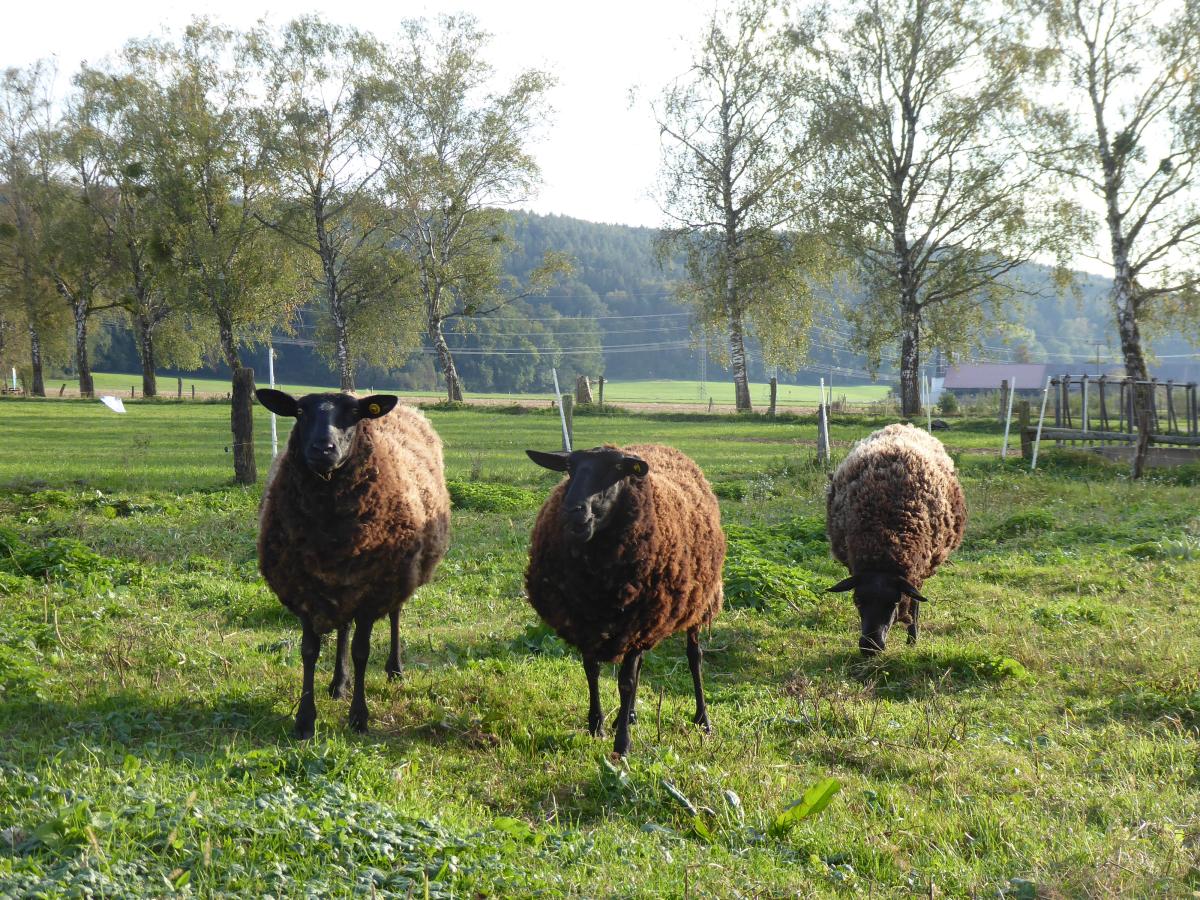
{"x":895,"y":511}
{"x":355,"y":517}
{"x":626,"y":552}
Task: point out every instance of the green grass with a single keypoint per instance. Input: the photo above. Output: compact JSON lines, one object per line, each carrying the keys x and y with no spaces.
{"x":673,"y":392}
{"x":1040,"y":740}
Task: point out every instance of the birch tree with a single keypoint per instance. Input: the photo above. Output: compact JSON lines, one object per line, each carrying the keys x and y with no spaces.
{"x":934,"y":199}
{"x":456,"y":153}
{"x":1127,"y":132}
{"x":735,"y":145}
{"x":315,"y":124}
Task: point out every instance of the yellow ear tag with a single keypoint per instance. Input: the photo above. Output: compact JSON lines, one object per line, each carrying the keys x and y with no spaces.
{"x":637,"y":468}
{"x":373,"y":409}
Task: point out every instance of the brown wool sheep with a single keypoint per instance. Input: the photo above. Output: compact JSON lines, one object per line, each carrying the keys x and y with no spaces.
{"x":895,"y":512}
{"x":626,"y":552}
{"x":355,"y":517}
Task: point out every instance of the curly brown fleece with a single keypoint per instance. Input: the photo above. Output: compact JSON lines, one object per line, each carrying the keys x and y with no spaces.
{"x":895,"y":505}
{"x":362,"y":542}
{"x":653,"y":571}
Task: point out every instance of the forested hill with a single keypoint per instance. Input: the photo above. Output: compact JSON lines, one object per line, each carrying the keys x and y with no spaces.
{"x":616,"y":315}
{"x":616,"y":264}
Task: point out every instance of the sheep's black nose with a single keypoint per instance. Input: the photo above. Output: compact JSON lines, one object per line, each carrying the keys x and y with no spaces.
{"x":869,"y":646}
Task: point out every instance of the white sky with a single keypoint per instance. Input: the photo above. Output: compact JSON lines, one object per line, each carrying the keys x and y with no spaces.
{"x":599,"y":155}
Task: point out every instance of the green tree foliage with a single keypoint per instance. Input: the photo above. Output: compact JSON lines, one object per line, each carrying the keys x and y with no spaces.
{"x":316,"y":125}
{"x":932,"y":200}
{"x":27,"y":295}
{"x":454,"y":155}
{"x":734,"y":152}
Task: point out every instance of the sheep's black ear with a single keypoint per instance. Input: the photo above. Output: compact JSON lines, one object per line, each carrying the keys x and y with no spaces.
{"x":556,"y":460}
{"x":376,"y":405}
{"x":846,"y":584}
{"x":634,"y":465}
{"x":278,"y":402}
{"x":908,"y":589}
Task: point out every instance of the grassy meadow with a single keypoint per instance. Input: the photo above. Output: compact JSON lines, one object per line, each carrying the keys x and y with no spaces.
{"x":1040,"y":741}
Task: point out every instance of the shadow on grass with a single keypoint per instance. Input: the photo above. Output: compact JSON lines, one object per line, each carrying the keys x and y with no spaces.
{"x":137,"y":724}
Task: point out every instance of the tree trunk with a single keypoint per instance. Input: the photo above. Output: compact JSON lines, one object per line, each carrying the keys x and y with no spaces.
{"x":737,"y":359}
{"x":38,"y":387}
{"x":80,"y":311}
{"x":910,"y":369}
{"x":242,"y":423}
{"x":144,"y":330}
{"x":241,"y":416}
{"x":449,"y":372}
{"x":342,"y":339}
{"x":1135,"y":363}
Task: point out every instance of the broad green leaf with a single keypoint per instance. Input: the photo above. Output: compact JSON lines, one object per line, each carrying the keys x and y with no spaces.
{"x":815,"y":799}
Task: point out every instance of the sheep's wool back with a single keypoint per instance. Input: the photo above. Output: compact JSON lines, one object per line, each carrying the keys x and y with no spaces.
{"x":654,"y":571}
{"x":895,"y":505}
{"x":364,"y":541}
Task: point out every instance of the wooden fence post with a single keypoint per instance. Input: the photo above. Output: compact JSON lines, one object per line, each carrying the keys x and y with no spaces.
{"x":1004,"y":389}
{"x":774,"y":394}
{"x":179,"y":387}
{"x":601,"y":391}
{"x":1101,"y":383}
{"x":242,"y":416}
{"x":583,"y":389}
{"x":1023,"y":425}
{"x":1058,"y":421}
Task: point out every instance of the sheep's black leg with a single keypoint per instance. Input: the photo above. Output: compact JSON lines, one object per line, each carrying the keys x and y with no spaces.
{"x":695,"y":658}
{"x":310,"y":649}
{"x":627,"y":682}
{"x":595,"y":714}
{"x":913,"y":630}
{"x":637,"y":680}
{"x":360,"y":652}
{"x":341,"y":667}
{"x":393,"y":667}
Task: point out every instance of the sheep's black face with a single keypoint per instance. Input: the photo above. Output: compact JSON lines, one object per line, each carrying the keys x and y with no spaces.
{"x":594,"y":486}
{"x":326,"y":424}
{"x":878,"y":596}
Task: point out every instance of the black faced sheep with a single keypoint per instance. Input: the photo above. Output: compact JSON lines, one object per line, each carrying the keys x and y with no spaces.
{"x":895,"y":512}
{"x":355,"y":517}
{"x":627,"y":551}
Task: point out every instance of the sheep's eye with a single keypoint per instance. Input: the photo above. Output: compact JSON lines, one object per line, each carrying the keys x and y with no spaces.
{"x":299,"y":413}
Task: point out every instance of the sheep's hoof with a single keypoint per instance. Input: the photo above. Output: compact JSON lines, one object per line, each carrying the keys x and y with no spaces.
{"x":358,"y":720}
{"x":304,"y":730}
{"x":596,"y":728}
{"x":338,"y":690}
{"x":394,"y":674}
{"x":701,"y":719}
{"x":912,"y":636}
{"x":621,"y":749}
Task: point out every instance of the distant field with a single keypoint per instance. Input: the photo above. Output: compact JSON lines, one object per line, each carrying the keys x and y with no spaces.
{"x":662,"y":391}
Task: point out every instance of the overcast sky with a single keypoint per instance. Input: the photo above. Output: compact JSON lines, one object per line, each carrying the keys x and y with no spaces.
{"x":599,"y":154}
